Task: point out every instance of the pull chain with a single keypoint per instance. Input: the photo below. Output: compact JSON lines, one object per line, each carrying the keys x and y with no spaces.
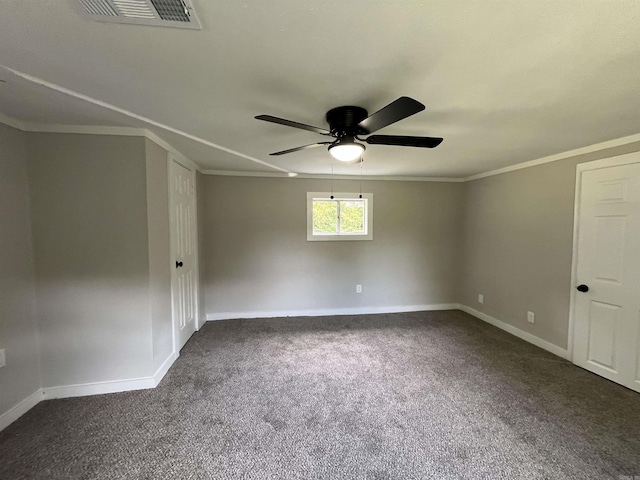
{"x":361,"y":162}
{"x":331,"y":177}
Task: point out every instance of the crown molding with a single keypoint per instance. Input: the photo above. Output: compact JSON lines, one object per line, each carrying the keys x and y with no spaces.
{"x":130,"y":114}
{"x":227,"y":173}
{"x":85,"y":129}
{"x":149,"y":135}
{"x":97,"y":130}
{"x":280,"y":172}
{"x":12,"y":122}
{"x":396,"y":178}
{"x":143,"y":132}
{"x":559,"y":156}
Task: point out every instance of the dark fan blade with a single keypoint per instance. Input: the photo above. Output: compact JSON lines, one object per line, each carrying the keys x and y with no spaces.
{"x":289,"y":123}
{"x":402,"y":108}
{"x":304,"y":147}
{"x":424,"y":142}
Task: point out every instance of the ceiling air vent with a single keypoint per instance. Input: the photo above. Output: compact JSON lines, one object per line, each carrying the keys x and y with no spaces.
{"x":159,"y":13}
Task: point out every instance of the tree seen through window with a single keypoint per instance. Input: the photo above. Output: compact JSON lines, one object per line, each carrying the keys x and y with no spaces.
{"x":338,"y":216}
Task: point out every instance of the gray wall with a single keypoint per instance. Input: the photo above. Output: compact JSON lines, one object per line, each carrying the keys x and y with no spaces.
{"x":89,"y":215}
{"x":258,"y":258}
{"x":159,"y":252}
{"x":18,"y":329}
{"x":99,"y":240}
{"x":518,"y":241}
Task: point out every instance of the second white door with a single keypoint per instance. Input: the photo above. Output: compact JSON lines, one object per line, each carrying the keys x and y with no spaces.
{"x":607,"y":300}
{"x":183,"y":240}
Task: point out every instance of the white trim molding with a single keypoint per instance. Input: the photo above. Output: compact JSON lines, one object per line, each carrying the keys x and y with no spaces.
{"x":107,"y":130}
{"x":99,"y":130}
{"x":58,"y":128}
{"x":526,"y":336}
{"x":98,"y":388}
{"x":615,"y":161}
{"x":164,"y":368}
{"x":283,"y":173}
{"x":397,"y":178}
{"x":322,"y":176}
{"x":12,"y":122}
{"x":110,"y":386}
{"x":596,"y":147}
{"x":85,"y":129}
{"x":84,"y":389}
{"x":229,"y":173}
{"x":324,"y":312}
{"x":15,"y":412}
{"x":153,"y":381}
{"x":130,"y":114}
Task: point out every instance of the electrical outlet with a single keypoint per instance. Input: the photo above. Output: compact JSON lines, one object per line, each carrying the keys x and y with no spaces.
{"x":531,"y":317}
{"x":480,"y":298}
{"x":3,"y":358}
{"x":358,"y":288}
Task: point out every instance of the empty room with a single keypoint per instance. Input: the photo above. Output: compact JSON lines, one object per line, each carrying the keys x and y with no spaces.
{"x":319,"y":240}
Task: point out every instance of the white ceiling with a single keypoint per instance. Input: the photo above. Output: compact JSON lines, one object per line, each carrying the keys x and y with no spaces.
{"x":504,"y":82}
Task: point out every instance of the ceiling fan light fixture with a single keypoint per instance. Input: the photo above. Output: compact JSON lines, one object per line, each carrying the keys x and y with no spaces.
{"x":346,"y":150}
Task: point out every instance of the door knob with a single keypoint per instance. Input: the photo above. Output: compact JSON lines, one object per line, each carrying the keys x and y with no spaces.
{"x":179,"y":264}
{"x":582,"y":288}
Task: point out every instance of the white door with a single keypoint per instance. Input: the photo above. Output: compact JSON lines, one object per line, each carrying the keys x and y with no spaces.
{"x":183,"y":247}
{"x":606,"y":337}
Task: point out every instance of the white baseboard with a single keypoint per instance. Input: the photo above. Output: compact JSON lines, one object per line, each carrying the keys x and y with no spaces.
{"x":151,"y":382}
{"x":323,"y":312}
{"x":164,"y":368}
{"x":98,"y":388}
{"x":10,"y":416}
{"x":112,"y":386}
{"x":527,"y":337}
{"x":85,"y":389}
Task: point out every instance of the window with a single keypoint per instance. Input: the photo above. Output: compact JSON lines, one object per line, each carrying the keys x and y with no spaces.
{"x":346,"y":216}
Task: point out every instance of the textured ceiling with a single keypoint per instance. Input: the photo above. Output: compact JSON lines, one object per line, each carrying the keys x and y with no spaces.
{"x":504,"y":82}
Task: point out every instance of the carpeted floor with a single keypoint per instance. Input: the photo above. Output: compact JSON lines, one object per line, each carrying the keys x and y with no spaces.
{"x":405,"y":396}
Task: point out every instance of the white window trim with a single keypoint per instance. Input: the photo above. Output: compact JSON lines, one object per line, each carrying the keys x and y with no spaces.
{"x":311,"y":196}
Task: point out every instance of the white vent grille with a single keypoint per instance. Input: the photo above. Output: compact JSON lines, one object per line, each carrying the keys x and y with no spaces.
{"x":161,"y":13}
{"x":98,"y":7}
{"x":134,"y":8}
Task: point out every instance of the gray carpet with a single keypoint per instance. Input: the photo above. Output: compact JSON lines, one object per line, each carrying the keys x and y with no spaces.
{"x":403,"y":396}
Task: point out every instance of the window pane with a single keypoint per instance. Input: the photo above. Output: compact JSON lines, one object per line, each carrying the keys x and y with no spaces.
{"x":325,"y":216}
{"x":352,"y":216}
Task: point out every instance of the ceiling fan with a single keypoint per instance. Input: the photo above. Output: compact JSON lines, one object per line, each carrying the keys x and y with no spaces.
{"x":347,"y":124}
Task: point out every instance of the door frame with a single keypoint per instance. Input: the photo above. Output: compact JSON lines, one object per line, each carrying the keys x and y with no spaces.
{"x":191,"y":166}
{"x":616,"y":161}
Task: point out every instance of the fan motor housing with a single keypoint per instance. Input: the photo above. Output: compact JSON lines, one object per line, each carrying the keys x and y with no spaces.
{"x":344,"y":120}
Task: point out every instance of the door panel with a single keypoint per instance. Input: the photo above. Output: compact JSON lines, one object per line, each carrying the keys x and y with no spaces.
{"x":602,"y":334}
{"x":610,"y":235}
